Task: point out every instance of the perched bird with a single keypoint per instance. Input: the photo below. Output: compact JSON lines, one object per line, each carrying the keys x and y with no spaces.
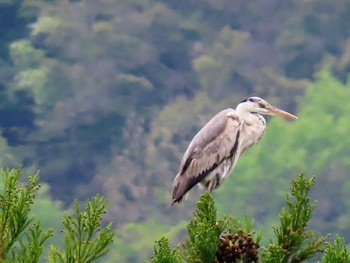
{"x":214,"y":151}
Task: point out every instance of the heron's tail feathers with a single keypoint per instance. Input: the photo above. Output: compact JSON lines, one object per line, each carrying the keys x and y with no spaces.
{"x":180,"y":188}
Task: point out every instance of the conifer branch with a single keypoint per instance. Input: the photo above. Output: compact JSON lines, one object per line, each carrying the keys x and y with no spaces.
{"x":85,"y":240}
{"x":21,"y":238}
{"x":295,"y":243}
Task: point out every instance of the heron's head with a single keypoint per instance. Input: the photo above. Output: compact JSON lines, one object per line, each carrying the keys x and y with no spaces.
{"x":261,"y":106}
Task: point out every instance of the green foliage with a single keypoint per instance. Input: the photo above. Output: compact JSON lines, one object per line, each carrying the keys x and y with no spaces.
{"x":31,"y":248}
{"x":85,"y":240}
{"x":45,"y":24}
{"x":336,"y":252}
{"x":21,"y":238}
{"x":234,"y":240}
{"x":163,"y":253}
{"x":217,"y":66}
{"x":24,"y":55}
{"x":134,"y":241}
{"x":49,"y":211}
{"x":295,"y":243}
{"x":204,"y":231}
{"x":208,"y":236}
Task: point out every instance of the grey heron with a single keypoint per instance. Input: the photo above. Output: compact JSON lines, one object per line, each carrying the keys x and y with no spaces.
{"x":215,"y":149}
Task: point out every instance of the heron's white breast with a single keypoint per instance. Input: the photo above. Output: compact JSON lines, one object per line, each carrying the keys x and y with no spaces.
{"x":252,"y":130}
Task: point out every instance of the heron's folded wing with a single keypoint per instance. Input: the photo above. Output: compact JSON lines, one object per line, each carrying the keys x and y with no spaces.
{"x":212,"y":144}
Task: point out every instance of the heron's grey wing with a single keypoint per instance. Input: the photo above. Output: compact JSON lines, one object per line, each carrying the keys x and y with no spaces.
{"x":211,"y":145}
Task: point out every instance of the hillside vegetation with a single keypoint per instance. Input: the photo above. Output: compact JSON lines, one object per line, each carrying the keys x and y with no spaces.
{"x":104,"y":96}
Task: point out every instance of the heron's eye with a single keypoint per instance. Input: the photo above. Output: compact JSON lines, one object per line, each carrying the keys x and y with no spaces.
{"x":261,"y":105}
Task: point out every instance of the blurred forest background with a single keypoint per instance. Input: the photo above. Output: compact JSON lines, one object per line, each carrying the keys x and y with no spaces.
{"x":103,"y":96}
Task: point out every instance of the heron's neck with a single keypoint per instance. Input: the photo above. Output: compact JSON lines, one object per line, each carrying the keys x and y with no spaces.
{"x":248,"y":116}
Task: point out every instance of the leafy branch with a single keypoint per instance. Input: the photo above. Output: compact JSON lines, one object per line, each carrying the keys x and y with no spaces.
{"x":204,"y":231}
{"x":295,"y":243}
{"x":336,"y":252}
{"x":85,"y":240}
{"x":22,"y":237}
{"x":163,"y":253}
{"x":16,"y":227}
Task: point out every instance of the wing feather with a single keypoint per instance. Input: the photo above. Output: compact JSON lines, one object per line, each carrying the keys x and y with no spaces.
{"x":211,"y":145}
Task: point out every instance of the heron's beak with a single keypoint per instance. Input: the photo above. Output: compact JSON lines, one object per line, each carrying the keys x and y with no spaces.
{"x":276,"y":111}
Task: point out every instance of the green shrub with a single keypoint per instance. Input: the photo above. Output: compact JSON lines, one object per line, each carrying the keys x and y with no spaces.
{"x":233,"y":239}
{"x":22,"y":237}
